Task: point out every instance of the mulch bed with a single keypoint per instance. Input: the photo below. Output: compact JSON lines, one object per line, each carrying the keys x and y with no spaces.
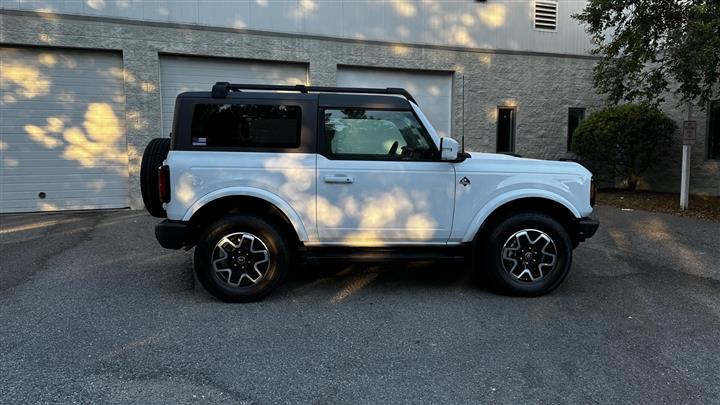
{"x":702,"y":207}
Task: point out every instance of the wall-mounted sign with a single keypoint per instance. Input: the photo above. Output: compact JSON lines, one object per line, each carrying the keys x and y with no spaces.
{"x":689,"y":128}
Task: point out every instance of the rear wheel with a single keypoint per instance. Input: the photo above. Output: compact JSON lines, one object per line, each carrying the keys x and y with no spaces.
{"x":155,"y":154}
{"x":528,"y":254}
{"x":241,"y":258}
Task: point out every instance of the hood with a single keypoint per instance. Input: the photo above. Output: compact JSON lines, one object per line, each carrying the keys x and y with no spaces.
{"x":495,"y":162}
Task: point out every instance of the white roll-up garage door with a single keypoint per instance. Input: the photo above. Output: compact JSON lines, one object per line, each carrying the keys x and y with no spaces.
{"x":180,"y":73}
{"x":432,"y":90}
{"x":62,"y":131}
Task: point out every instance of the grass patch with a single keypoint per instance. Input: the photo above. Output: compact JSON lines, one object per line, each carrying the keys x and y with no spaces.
{"x":702,"y":207}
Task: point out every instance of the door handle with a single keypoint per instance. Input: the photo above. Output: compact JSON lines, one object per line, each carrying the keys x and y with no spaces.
{"x":338,"y":178}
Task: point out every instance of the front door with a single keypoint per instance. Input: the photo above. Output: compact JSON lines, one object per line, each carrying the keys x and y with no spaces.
{"x":380,"y":180}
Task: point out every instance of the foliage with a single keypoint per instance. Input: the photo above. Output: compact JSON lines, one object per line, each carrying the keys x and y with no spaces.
{"x":623,"y":141}
{"x":646,"y":45}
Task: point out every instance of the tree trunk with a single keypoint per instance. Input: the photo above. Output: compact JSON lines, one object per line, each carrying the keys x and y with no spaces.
{"x":632,"y":182}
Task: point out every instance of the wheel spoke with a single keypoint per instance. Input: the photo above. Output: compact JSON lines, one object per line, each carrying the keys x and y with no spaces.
{"x":222,"y":258}
{"x":240,"y":259}
{"x":258,"y":275}
{"x":529,"y":255}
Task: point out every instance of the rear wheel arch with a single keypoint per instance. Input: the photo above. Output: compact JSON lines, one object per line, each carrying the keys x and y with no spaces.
{"x":242,"y":204}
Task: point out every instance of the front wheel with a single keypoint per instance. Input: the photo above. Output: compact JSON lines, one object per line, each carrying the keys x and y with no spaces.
{"x":241,"y":258}
{"x":527,"y":254}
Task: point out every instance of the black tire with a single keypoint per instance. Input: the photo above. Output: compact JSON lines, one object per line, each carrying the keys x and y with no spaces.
{"x":155,"y":153}
{"x":494,"y":264}
{"x":217,"y":283}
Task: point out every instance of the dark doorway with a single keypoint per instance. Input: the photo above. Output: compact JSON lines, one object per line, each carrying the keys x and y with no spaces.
{"x":575,"y":117}
{"x":506,"y":130}
{"x":714,"y":130}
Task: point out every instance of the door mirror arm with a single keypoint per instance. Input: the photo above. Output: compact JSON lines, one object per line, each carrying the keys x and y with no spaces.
{"x":461,"y":157}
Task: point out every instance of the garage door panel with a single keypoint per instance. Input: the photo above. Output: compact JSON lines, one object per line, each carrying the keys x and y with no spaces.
{"x":60,"y":179}
{"x":72,"y":170}
{"x":27,"y":134}
{"x":62,"y":130}
{"x":71,"y":156}
{"x":439,"y":109}
{"x":432,"y":90}
{"x":66,"y":103}
{"x":179,"y":74}
{"x":75,"y":85}
{"x":49,"y":204}
{"x":76,"y":165}
{"x":85,"y":187}
{"x":65,"y":194}
{"x":32,"y":147}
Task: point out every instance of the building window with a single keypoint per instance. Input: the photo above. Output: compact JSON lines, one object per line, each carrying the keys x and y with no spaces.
{"x":714,"y":130}
{"x":546,"y":15}
{"x":506,"y":130}
{"x":246,"y":125}
{"x":575,"y":117}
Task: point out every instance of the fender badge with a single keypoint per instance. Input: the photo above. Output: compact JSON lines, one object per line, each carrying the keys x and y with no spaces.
{"x":465,"y":181}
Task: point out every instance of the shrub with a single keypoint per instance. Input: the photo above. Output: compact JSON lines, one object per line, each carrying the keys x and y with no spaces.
{"x":623,"y":141}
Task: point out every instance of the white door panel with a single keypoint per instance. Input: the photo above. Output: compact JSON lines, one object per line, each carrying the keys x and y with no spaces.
{"x":379,"y":202}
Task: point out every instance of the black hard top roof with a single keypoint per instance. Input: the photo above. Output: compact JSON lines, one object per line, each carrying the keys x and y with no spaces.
{"x":325,"y":96}
{"x":329,"y":97}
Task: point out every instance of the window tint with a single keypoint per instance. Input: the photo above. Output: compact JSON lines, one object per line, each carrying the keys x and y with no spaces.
{"x":377,"y":134}
{"x":575,"y":117}
{"x":246,"y":125}
{"x":714,"y":130}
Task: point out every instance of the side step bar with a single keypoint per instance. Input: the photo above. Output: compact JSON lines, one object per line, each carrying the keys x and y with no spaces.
{"x":385,"y":254}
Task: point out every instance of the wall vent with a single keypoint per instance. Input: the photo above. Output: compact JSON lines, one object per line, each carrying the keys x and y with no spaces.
{"x":546,"y":15}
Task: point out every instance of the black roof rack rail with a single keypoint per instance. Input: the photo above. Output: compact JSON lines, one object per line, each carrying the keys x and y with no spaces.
{"x":221,"y":89}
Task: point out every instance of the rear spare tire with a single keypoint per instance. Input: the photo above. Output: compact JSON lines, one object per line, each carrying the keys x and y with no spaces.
{"x":155,"y":153}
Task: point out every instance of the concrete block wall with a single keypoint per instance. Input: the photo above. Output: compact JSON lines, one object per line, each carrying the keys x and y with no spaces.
{"x":541,"y":86}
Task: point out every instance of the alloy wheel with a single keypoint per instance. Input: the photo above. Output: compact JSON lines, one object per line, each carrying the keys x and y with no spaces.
{"x":240,"y":259}
{"x":529,"y":255}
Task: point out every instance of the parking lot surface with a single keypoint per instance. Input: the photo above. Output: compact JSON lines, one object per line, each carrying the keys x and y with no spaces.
{"x":94,"y":310}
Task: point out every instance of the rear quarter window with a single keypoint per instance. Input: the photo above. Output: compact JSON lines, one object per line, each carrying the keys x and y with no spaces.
{"x":246,"y":125}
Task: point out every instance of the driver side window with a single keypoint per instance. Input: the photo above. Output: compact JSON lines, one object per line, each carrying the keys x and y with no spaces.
{"x":377,"y":134}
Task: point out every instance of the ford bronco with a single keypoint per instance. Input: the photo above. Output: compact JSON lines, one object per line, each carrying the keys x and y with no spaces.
{"x":258,"y":178}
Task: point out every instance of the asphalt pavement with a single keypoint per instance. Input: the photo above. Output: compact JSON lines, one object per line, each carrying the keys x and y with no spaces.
{"x":93,"y":310}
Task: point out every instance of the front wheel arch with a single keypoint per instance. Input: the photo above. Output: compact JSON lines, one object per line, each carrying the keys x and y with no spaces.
{"x":545,"y":206}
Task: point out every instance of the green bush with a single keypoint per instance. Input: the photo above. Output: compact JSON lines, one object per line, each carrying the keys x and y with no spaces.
{"x":623,"y":141}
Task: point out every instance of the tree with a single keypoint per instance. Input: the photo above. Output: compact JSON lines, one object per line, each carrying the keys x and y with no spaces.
{"x":623,"y":141}
{"x":648,"y":47}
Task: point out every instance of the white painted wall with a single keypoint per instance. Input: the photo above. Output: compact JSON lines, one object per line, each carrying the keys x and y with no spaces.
{"x":494,"y":24}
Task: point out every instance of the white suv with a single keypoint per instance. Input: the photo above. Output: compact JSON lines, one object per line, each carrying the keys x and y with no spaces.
{"x":259,"y":178}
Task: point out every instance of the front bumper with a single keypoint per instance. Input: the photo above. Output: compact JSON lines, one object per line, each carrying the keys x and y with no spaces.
{"x":172,"y":234}
{"x":585,"y":228}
